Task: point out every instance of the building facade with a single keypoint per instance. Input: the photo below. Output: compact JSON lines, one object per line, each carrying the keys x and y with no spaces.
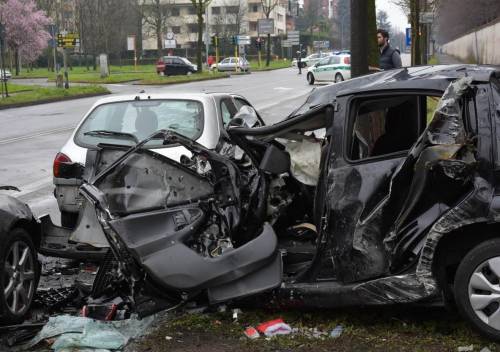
{"x":226,"y":18}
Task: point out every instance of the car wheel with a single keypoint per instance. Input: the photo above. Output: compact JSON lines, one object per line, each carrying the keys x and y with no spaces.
{"x":189,"y":73}
{"x":310,"y":78}
{"x":477,"y":288}
{"x":69,"y":219}
{"x":20,"y":274}
{"x":338,"y":78}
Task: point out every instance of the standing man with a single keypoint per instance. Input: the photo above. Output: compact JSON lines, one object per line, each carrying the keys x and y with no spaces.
{"x":299,"y":61}
{"x":389,"y":57}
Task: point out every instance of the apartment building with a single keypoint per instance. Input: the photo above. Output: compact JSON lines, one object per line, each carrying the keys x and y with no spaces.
{"x":225,"y":18}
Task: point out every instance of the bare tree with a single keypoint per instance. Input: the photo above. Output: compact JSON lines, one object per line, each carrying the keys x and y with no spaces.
{"x":155,"y":17}
{"x":267,"y":7}
{"x":200,"y":6}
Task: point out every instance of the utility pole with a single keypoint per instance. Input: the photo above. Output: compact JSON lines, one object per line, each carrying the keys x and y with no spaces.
{"x":2,"y":50}
{"x":207,"y":35}
{"x":359,"y":42}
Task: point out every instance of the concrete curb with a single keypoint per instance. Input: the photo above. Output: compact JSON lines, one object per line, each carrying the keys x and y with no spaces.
{"x":51,"y":100}
{"x":140,"y":83}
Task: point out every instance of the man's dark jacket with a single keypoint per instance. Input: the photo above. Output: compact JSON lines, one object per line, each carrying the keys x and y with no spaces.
{"x":389,"y":58}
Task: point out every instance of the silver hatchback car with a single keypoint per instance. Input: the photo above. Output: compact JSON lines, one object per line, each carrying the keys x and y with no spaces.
{"x":125,"y":120}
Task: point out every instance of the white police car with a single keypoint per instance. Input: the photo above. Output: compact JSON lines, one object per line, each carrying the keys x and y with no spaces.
{"x":335,"y":68}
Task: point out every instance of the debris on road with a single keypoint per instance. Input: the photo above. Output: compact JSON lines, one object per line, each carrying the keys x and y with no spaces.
{"x":274,"y":327}
{"x":337,"y":331}
{"x":81,"y":332}
{"x":466,"y":348}
{"x":251,"y":333}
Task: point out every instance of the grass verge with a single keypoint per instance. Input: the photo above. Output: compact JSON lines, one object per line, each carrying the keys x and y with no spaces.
{"x":369,"y":329}
{"x":164,"y":80}
{"x":273,"y":65}
{"x":40,"y":95}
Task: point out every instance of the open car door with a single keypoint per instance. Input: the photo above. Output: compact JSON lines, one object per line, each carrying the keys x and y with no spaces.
{"x":178,"y":225}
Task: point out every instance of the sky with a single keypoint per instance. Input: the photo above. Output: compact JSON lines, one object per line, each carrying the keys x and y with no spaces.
{"x":396,"y":16}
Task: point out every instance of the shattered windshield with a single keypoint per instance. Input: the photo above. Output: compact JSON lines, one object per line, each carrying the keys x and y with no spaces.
{"x":112,"y":123}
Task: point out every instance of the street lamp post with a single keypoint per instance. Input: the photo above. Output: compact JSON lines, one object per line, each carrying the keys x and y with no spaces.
{"x":342,"y":20}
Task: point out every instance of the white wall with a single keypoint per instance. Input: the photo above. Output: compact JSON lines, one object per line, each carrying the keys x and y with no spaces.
{"x":483,"y":44}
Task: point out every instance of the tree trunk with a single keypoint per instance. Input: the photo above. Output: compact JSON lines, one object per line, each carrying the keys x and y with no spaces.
{"x":416,"y":57}
{"x":268,"y":53}
{"x":159,"y":42}
{"x":359,"y":39}
{"x":200,"y":40}
{"x":374,"y":53}
{"x":16,"y":58}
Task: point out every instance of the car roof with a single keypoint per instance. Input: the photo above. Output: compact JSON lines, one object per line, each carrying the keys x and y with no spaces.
{"x":432,"y":78}
{"x":156,"y":96}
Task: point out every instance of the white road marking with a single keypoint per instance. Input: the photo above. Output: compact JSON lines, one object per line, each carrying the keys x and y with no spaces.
{"x":38,"y":134}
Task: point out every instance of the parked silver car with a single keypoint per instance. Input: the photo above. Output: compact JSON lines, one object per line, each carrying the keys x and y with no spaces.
{"x":125,"y":120}
{"x":231,"y":64}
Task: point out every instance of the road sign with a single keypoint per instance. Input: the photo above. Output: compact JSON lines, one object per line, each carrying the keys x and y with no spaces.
{"x":426,"y":17}
{"x":323,"y":44}
{"x":286,"y":44}
{"x":68,"y":40}
{"x":293,"y":34}
{"x":243,"y":40}
{"x":265,"y":26}
{"x":408,"y":36}
{"x":131,"y":43}
{"x":170,"y":44}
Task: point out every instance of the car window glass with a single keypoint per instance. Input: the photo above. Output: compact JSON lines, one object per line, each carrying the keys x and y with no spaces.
{"x":335,"y":60}
{"x":178,"y":61}
{"x":240,"y":102}
{"x":324,"y":62}
{"x":142,"y":118}
{"x":385,"y":126}
{"x":225,"y":61}
{"x":227,"y":111}
{"x":232,"y":60}
{"x":168,"y":61}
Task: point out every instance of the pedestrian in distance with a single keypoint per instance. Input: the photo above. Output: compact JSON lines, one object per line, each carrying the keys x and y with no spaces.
{"x":389,"y":57}
{"x":299,"y":61}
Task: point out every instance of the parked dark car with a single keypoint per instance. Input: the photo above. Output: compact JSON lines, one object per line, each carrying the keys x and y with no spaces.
{"x":19,"y":267}
{"x":361,"y":197}
{"x":175,"y":65}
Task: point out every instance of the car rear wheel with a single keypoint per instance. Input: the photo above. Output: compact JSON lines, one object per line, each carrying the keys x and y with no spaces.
{"x":477,"y":288}
{"x":20,"y":273}
{"x":310,"y":78}
{"x":338,"y":78}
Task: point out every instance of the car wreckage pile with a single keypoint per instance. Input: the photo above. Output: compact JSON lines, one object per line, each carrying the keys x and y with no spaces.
{"x":277,"y":210}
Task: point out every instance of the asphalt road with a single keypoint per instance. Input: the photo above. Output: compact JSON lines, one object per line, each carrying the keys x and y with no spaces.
{"x":31,"y":136}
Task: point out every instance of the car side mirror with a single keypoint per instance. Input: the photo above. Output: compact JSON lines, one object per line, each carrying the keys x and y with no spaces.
{"x":235,"y":122}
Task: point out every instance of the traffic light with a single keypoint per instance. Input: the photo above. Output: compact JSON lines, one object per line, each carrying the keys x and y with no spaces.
{"x":215,"y":40}
{"x":234,"y":40}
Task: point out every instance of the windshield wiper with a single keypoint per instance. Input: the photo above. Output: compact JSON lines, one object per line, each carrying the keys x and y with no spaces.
{"x":106,"y":133}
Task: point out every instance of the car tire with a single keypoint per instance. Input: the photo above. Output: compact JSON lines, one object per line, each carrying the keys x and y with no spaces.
{"x":310,"y":78}
{"x":68,"y":219}
{"x":21,"y":278}
{"x":339,"y":78}
{"x":477,"y":289}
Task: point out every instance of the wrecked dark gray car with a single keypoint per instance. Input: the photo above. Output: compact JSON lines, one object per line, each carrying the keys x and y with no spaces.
{"x":379,"y":190}
{"x":19,"y":267}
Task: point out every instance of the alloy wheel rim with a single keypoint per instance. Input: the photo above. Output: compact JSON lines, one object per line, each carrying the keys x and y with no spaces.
{"x":484,"y":292}
{"x":19,"y":277}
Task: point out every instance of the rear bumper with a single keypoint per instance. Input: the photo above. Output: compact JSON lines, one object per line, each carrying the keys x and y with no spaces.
{"x":66,"y":193}
{"x":55,"y":243}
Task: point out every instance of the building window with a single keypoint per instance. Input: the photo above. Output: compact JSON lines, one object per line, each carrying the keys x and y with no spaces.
{"x":175,"y":11}
{"x":176,"y":30}
{"x":280,"y":17}
{"x":254,"y":8}
{"x":253,"y":26}
{"x":232,"y":9}
{"x":191,"y":10}
{"x":192,"y":28}
{"x":216,"y":10}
